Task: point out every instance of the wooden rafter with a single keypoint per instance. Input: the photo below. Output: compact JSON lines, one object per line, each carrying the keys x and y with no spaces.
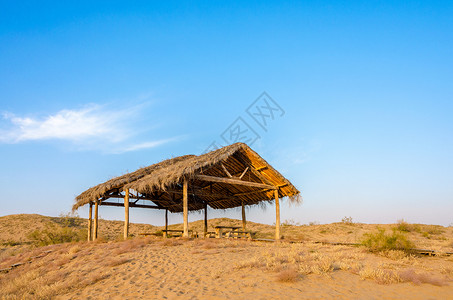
{"x":131,"y":204}
{"x":243,"y":173}
{"x":226,"y":171}
{"x":234,"y":181}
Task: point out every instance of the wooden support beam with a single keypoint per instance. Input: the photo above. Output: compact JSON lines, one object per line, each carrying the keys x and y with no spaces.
{"x":90,"y":223}
{"x":244,"y":221}
{"x":205,"y":229}
{"x":104,"y":203}
{"x":277,"y":216}
{"x":243,"y":173}
{"x":261,"y":176}
{"x":185,"y":207}
{"x":96,"y":220}
{"x":234,"y":181}
{"x":226,"y":171}
{"x":166,"y":219}
{"x":126,"y":214}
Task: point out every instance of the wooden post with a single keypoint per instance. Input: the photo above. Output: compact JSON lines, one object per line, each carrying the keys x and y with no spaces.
{"x":166,"y":222}
{"x":96,"y":220}
{"x":244,"y":221}
{"x":126,"y":213}
{"x":185,"y":209}
{"x":277,"y":219}
{"x":90,"y":223}
{"x":205,"y":230}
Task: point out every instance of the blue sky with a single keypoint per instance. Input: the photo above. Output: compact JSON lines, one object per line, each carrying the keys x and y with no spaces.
{"x":89,"y":91}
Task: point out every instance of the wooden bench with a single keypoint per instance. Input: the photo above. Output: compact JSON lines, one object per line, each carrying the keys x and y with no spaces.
{"x":219,"y":230}
{"x":210,"y":234}
{"x":177,"y":233}
{"x":239,"y":234}
{"x":147,"y":233}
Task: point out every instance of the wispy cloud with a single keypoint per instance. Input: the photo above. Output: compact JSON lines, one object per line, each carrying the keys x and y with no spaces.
{"x":145,"y":145}
{"x":86,"y":127}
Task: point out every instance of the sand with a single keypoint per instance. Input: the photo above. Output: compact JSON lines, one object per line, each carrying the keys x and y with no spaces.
{"x":194,"y":270}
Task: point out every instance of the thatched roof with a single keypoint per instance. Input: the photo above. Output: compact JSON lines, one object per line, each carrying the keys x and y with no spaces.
{"x":161,"y":183}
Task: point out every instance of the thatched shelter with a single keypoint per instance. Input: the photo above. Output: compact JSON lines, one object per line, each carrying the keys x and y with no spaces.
{"x":233,"y":176}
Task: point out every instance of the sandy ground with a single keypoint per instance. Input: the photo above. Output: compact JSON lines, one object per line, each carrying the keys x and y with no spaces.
{"x":209,"y":271}
{"x":154,"y":268}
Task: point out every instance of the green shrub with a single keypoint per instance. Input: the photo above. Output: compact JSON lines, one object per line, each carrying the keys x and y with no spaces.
{"x":407,"y":227}
{"x":380,"y":241}
{"x":56,"y":235}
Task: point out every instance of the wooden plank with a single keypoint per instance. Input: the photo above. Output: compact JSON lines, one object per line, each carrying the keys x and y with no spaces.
{"x":90,"y":223}
{"x":277,"y":217}
{"x":234,"y":181}
{"x":96,"y":220}
{"x":185,"y":208}
{"x":126,"y":214}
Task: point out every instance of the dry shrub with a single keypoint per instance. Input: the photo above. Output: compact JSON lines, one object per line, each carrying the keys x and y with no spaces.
{"x":128,"y":245}
{"x":255,"y":262}
{"x":288,"y":275}
{"x":62,"y":261}
{"x":381,"y":276}
{"x":446,"y":270}
{"x":116,"y":262}
{"x":410,"y":275}
{"x":74,"y":249}
{"x":395,"y":254}
{"x":305,"y":269}
{"x":171,"y":242}
{"x":208,"y":244}
{"x":323,"y":267}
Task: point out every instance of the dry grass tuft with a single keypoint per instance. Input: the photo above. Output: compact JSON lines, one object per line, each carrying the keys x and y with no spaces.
{"x":171,"y":242}
{"x":381,"y":276}
{"x":289,"y":275}
{"x":116,"y":262}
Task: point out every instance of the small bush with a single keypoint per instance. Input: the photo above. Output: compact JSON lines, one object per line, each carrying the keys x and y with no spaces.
{"x":56,"y":235}
{"x":347,"y":220}
{"x":289,"y":275}
{"x":313,"y":223}
{"x":380,"y":241}
{"x":407,"y":227}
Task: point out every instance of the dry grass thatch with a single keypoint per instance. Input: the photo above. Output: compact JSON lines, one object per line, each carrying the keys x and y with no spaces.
{"x":162,"y":182}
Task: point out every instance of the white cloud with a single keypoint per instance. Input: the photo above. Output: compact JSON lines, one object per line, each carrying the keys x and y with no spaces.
{"x":71,"y":125}
{"x":89,"y":127}
{"x":145,"y":145}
